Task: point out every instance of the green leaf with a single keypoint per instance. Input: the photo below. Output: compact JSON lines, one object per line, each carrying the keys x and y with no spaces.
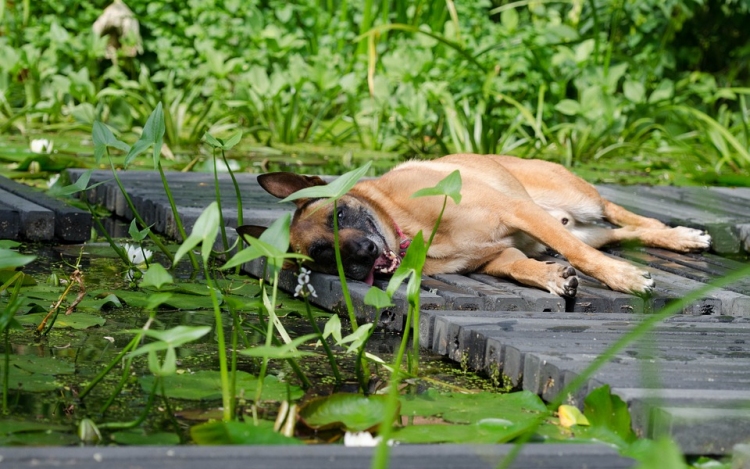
{"x":484,"y":431}
{"x":153,"y":134}
{"x":449,"y":186}
{"x":10,"y":259}
{"x":211,"y":140}
{"x":239,"y":433}
{"x":568,"y":107}
{"x":138,"y":235}
{"x":29,"y":382}
{"x":138,"y":437}
{"x":607,"y":411}
{"x":9,"y":426}
{"x":206,"y":385}
{"x":156,"y":276}
{"x":233,"y":140}
{"x":205,"y":230}
{"x":353,"y":412}
{"x":282,"y":351}
{"x":103,"y":138}
{"x":411,"y":265}
{"x":634,"y":91}
{"x":663,"y":92}
{"x":81,"y":184}
{"x":333,"y":327}
{"x":42,"y":365}
{"x":78,"y":321}
{"x":471,"y":408}
{"x":169,"y":339}
{"x":660,"y":454}
{"x":377,"y":298}
{"x":335,"y":189}
{"x":509,"y":19}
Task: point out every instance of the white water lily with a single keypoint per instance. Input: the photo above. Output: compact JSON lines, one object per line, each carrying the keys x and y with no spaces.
{"x":362,"y":440}
{"x":137,"y":254}
{"x":41,"y":145}
{"x":53,"y":180}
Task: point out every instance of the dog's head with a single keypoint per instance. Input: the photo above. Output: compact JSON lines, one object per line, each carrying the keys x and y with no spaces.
{"x":368,"y":240}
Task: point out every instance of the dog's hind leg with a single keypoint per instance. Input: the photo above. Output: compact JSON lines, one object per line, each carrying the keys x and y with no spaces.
{"x":558,"y":279}
{"x":646,"y":231}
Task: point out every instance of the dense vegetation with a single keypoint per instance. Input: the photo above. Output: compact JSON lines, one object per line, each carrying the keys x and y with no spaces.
{"x":658,"y":83}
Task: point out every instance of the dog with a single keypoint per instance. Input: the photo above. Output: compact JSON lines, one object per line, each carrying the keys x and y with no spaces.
{"x":511,"y":211}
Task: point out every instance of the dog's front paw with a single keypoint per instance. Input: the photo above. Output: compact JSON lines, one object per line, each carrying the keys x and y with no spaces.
{"x":627,"y":278}
{"x":564,"y":282}
{"x":689,"y":239}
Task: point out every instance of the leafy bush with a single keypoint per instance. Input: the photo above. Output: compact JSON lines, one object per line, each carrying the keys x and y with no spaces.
{"x":572,"y":80}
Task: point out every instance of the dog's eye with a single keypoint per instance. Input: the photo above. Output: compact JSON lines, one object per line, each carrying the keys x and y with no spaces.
{"x":340,"y":214}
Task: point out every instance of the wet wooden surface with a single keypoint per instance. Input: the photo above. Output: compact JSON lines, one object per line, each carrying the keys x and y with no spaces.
{"x":689,"y":378}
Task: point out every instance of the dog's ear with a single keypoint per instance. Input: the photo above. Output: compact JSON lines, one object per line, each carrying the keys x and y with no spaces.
{"x":251,"y":230}
{"x":284,"y":184}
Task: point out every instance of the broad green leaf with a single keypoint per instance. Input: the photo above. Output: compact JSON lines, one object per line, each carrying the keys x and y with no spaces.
{"x":282,"y":351}
{"x":509,"y":19}
{"x":663,"y":92}
{"x":233,"y":140}
{"x":103,"y":138}
{"x":211,"y":140}
{"x":169,"y":338}
{"x":138,"y":235}
{"x":568,"y":107}
{"x":29,"y":382}
{"x":471,"y":408}
{"x":206,"y":385}
{"x":10,"y":259}
{"x":411,"y":265}
{"x":9,"y":426}
{"x":660,"y":454}
{"x":353,"y":412}
{"x":485,"y":431}
{"x":205,"y":230}
{"x":81,"y":184}
{"x":333,"y":328}
{"x":42,"y":365}
{"x":58,"y":439}
{"x":607,"y":411}
{"x":239,"y":433}
{"x":634,"y":91}
{"x":449,"y":186}
{"x":137,"y":437}
{"x":357,"y":338}
{"x":335,"y":189}
{"x":8,"y":244}
{"x":156,"y":276}
{"x":377,"y":298}
{"x":76,"y":321}
{"x":153,"y":134}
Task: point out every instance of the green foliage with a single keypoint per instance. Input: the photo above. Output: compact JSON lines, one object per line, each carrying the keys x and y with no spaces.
{"x":571,"y":81}
{"x":352,"y":412}
{"x":239,"y":433}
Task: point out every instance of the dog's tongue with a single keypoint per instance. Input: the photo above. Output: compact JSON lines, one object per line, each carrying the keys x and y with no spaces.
{"x":387,"y":263}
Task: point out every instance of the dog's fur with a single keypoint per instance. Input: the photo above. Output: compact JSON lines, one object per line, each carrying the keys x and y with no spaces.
{"x":511,"y":210}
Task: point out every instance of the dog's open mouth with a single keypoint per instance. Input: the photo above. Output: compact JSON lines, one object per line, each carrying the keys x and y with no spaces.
{"x":386,"y":263}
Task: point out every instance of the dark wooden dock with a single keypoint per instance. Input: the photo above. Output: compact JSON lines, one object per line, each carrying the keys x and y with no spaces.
{"x":689,"y":378}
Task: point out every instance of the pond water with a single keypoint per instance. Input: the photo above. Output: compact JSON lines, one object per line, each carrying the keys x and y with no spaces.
{"x":50,"y":371}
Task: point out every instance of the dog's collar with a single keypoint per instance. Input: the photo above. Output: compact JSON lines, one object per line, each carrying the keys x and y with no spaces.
{"x":403,"y":241}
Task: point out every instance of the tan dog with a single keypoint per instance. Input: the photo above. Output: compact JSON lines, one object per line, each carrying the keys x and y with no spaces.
{"x":511,"y":210}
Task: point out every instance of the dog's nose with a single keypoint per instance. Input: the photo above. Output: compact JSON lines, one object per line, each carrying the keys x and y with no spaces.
{"x":366,"y":248}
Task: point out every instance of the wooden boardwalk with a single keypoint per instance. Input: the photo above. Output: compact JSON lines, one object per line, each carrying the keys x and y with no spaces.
{"x":689,"y":378}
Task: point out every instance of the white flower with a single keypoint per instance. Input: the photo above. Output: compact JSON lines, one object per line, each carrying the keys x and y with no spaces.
{"x":41,"y":145}
{"x":137,"y":254}
{"x":362,"y":439}
{"x":53,"y":180}
{"x":303,"y":287}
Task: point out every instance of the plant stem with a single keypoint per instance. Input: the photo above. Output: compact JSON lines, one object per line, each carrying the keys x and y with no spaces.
{"x":155,"y":239}
{"x":217,"y":192}
{"x":142,"y":417}
{"x":326,"y":347}
{"x":99,"y":376}
{"x":226,"y":398}
{"x":176,"y":215}
{"x":340,"y":269}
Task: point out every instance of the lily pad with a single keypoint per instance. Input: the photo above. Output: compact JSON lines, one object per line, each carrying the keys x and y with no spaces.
{"x":206,"y":385}
{"x":20,"y":426}
{"x":471,"y":408}
{"x":352,"y":412}
{"x":40,"y":439}
{"x":239,"y":433}
{"x":76,"y":321}
{"x":29,"y":382}
{"x":139,"y":437}
{"x":484,"y":431}
{"x":42,"y":365}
